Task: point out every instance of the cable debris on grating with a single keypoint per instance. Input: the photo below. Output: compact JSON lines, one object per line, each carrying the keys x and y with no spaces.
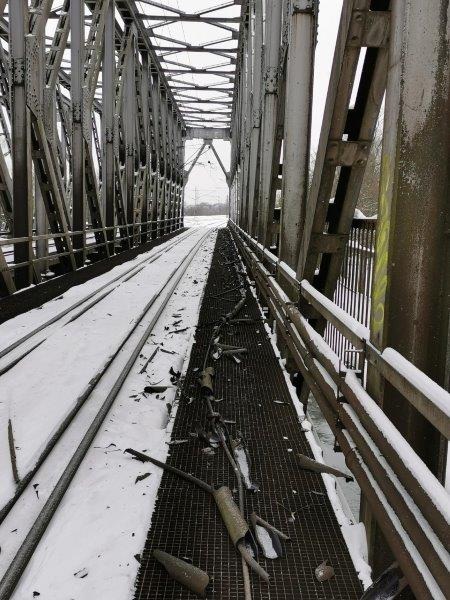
{"x":186,"y":522}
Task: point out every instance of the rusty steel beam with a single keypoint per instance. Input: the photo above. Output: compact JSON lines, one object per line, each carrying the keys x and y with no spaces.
{"x":21,"y":148}
{"x":410,"y":298}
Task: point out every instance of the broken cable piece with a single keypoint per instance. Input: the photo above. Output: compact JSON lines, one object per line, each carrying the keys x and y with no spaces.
{"x":144,"y":367}
{"x":189,"y":576}
{"x":145,"y":458}
{"x":205,"y":381}
{"x":274,"y":550}
{"x":243,"y":462}
{"x":235,"y":523}
{"x":313,"y":465}
{"x":12,"y":452}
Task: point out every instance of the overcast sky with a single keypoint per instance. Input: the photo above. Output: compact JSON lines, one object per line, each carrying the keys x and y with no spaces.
{"x":206,"y":182}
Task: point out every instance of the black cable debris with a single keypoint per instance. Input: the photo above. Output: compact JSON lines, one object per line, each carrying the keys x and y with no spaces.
{"x":215,"y":434}
{"x":223,"y":438}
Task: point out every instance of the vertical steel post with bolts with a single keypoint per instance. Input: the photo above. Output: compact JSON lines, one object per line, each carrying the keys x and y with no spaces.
{"x":21,"y":148}
{"x":108,"y":93}
{"x":297,"y":126}
{"x":129,"y":125}
{"x":78,"y":150}
{"x":255,"y":132}
{"x":269,"y":115}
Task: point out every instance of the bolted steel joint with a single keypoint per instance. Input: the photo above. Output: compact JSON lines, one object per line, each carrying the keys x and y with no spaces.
{"x":18,"y":70}
{"x":77,"y":112}
{"x":302,"y":6}
{"x":109,"y":134}
{"x":271,"y":80}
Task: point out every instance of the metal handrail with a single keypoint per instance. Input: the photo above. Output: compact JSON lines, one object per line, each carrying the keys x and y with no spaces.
{"x":49,"y":236}
{"x":409,"y":503}
{"x":86,"y":248}
{"x":430,"y":399}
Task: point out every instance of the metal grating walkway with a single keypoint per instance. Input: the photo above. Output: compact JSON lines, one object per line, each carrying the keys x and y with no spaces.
{"x":186,"y":521}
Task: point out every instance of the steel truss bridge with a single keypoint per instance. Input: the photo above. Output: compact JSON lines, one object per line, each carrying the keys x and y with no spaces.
{"x":97,"y":101}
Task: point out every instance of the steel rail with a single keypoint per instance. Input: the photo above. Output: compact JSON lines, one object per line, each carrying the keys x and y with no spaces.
{"x":90,"y":298}
{"x":37,"y":530}
{"x":69,"y":417}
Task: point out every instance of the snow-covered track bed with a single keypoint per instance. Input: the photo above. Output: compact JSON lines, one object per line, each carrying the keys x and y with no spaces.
{"x":18,"y":347}
{"x":53,"y":439}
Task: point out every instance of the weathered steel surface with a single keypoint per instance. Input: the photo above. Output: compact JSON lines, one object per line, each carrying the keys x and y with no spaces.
{"x":410,"y":298}
{"x":188,"y":575}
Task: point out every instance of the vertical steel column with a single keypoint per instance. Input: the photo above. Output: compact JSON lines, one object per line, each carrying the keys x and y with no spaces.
{"x":297,"y":126}
{"x":156,"y":165}
{"x":270,"y":112}
{"x":248,"y":117}
{"x":182,"y":179}
{"x":164,"y":187}
{"x":253,"y":186}
{"x":179,"y":171}
{"x":41,"y":229}
{"x":246,"y":120}
{"x":145,"y":88}
{"x":21,"y":148}
{"x":410,"y":294}
{"x":129,"y":121}
{"x":171,"y":151}
{"x":64,"y":153}
{"x":76,"y":95}
{"x":242,"y":111}
{"x":50,"y":120}
{"x":108,"y":96}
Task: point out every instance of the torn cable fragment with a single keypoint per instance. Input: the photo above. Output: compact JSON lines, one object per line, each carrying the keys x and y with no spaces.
{"x":188,"y":575}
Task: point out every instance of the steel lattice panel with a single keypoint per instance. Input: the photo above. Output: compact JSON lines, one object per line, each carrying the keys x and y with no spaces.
{"x":186,"y":522}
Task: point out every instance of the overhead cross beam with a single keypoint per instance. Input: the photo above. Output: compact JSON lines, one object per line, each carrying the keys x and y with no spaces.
{"x":173,"y":51}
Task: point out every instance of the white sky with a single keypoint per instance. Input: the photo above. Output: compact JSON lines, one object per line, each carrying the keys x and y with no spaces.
{"x":206,"y":182}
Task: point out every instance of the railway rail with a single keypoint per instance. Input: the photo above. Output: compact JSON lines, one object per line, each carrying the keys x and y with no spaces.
{"x":11,"y":354}
{"x":101,"y":391}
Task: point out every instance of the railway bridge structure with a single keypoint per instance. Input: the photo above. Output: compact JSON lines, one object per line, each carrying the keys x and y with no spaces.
{"x":137,"y":350}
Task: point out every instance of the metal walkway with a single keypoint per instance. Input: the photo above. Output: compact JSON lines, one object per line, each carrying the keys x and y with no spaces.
{"x":186,"y":522}
{"x":101,"y":102}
